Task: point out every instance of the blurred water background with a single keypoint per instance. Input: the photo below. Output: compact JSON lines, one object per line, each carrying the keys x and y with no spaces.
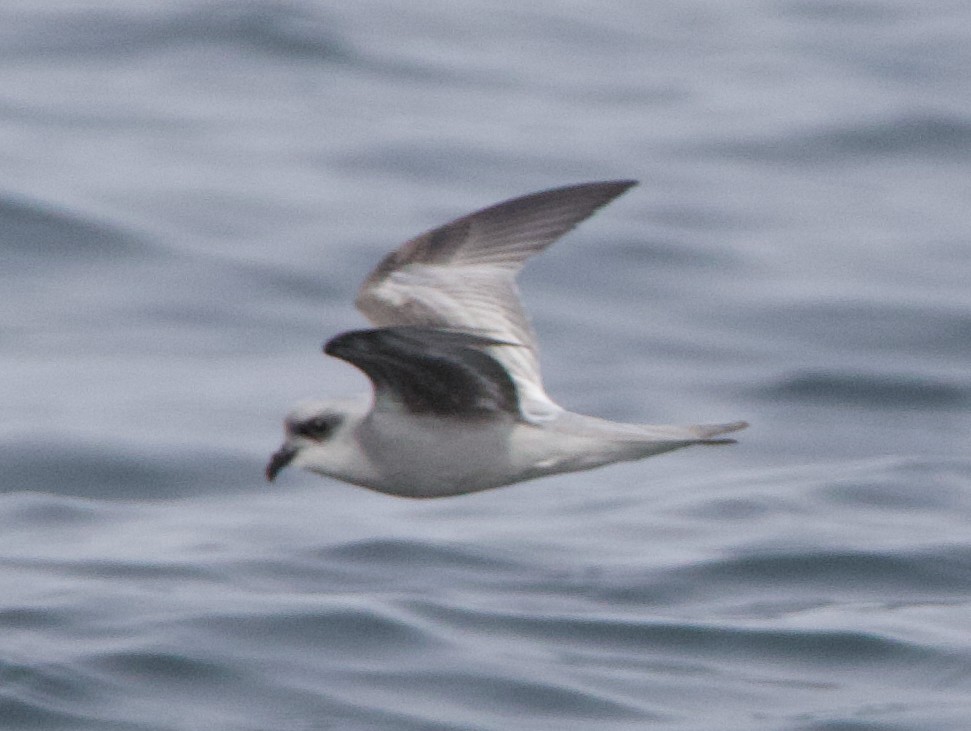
{"x":190,"y":193}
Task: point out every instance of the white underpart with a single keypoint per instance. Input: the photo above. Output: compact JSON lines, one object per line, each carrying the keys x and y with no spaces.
{"x":421,"y":457}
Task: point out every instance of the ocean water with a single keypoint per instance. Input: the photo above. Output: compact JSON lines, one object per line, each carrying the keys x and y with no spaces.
{"x":190,"y":193}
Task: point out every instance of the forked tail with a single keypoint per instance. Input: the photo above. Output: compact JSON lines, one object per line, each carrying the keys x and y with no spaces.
{"x":706,"y":431}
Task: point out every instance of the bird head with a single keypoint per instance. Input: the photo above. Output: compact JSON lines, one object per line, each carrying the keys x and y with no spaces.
{"x":310,"y":431}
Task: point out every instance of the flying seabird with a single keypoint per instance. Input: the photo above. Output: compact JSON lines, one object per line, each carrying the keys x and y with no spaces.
{"x":458,"y":403}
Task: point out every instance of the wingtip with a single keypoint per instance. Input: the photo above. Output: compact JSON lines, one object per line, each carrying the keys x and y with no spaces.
{"x":592,"y":190}
{"x":614,"y":187}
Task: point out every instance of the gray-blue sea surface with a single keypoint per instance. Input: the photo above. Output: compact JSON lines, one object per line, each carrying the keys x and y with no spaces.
{"x":190,"y":193}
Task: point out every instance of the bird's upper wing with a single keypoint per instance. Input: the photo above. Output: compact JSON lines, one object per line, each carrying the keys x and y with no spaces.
{"x":461,"y":276}
{"x":425,"y":370}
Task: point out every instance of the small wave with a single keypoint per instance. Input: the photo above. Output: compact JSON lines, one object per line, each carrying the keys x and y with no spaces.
{"x":360,"y":626}
{"x":520,"y":696}
{"x":918,"y":135}
{"x":886,"y":328}
{"x":24,"y":713}
{"x":869,"y":389}
{"x":638,"y":637}
{"x":931,"y":485}
{"x":842,"y":12}
{"x":441,"y":162}
{"x":415,"y":566}
{"x":824,"y":573}
{"x":69,"y":467}
{"x":30,"y":507}
{"x":165,"y":667}
{"x":410,"y":553}
{"x":46,"y":695}
{"x":279,"y":28}
{"x":38,"y":235}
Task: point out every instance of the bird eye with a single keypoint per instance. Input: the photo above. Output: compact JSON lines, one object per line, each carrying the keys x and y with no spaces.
{"x":318,"y":427}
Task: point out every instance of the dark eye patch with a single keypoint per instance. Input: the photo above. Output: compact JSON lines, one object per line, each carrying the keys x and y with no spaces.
{"x":317,"y":427}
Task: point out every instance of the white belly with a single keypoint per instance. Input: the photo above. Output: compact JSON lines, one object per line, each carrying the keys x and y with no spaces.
{"x":434,"y":457}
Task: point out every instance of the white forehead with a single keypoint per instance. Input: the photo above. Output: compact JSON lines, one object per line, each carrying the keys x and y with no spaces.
{"x":341,"y":407}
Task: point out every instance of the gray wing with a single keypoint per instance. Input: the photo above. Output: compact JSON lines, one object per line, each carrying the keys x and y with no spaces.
{"x":461,"y":276}
{"x":423,"y":370}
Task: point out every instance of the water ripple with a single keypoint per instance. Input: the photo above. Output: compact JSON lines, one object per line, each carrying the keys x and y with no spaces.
{"x":284,"y":28}
{"x":869,"y":389}
{"x":932,"y":136}
{"x":40,"y":236}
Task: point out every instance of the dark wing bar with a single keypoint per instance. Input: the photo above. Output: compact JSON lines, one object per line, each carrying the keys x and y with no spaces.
{"x":430,"y":371}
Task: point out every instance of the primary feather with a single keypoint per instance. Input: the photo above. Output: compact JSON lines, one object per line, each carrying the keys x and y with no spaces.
{"x":462,"y":275}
